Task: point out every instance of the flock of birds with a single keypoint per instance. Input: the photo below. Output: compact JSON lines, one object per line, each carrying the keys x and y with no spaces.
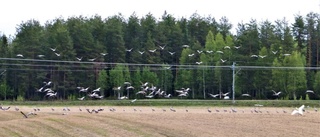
{"x":161,"y":48}
{"x":255,"y":110}
{"x":147,"y":90}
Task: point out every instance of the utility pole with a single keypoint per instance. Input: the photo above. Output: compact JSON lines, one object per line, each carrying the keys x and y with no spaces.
{"x":233,"y":80}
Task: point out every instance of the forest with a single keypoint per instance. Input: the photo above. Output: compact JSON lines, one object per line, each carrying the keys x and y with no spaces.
{"x":169,"y":53}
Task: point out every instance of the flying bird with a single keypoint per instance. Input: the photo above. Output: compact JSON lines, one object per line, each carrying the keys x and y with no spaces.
{"x":20,"y":55}
{"x":141,"y":52}
{"x":245,"y":95}
{"x":274,"y":52}
{"x":254,"y":56}
{"x":171,"y":53}
{"x":92,"y":59}
{"x":162,"y":47}
{"x":262,"y":56}
{"x":40,"y":56}
{"x":103,"y":54}
{"x":298,"y":111}
{"x":199,"y":62}
{"x":79,"y":59}
{"x":152,"y":51}
{"x":237,"y":47}
{"x":221,"y":52}
{"x":214,"y":96}
{"x":223,"y":61}
{"x":209,"y":51}
{"x":129,"y":50}
{"x":57,"y":54}
{"x":82,"y":98}
{"x":185,"y":46}
{"x":132,"y":101}
{"x":226,"y":47}
{"x":276,"y":93}
{"x":286,"y":54}
{"x":53,"y":49}
{"x":190,"y":55}
{"x":310,"y":91}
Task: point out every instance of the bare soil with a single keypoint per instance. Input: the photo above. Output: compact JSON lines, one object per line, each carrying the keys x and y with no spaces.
{"x":154,"y":121}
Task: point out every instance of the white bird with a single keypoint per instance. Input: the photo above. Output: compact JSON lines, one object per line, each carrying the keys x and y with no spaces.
{"x":183,"y":94}
{"x":82,"y":98}
{"x":40,"y":56}
{"x":141,"y":52}
{"x":162,"y":47}
{"x":286,"y":54}
{"x":262,"y":56}
{"x":130,"y":87}
{"x":226,"y":97}
{"x":48,"y":83}
{"x":310,"y":91}
{"x":171,"y":53}
{"x":153,"y":50}
{"x":237,"y":47}
{"x":83,"y":89}
{"x":167,"y":96}
{"x":57,"y":54}
{"x":117,"y":88}
{"x":132,"y":101}
{"x":103,"y":54}
{"x":96,"y":90}
{"x":92,"y":59}
{"x":190,"y":55}
{"x":224,"y":94}
{"x":274,"y":52}
{"x":276,"y":93}
{"x":129,"y":50}
{"x":245,"y":95}
{"x":199,"y":62}
{"x":53,"y":49}
{"x":214,"y":96}
{"x":149,"y":96}
{"x":199,"y":51}
{"x":20,"y":55}
{"x":221,"y":52}
{"x":254,"y":56}
{"x":209,"y":51}
{"x":298,"y":111}
{"x":185,"y":46}
{"x":144,"y":84}
{"x":226,"y":47}
{"x":79,"y":59}
{"x":223,"y":61}
{"x":123,"y":97}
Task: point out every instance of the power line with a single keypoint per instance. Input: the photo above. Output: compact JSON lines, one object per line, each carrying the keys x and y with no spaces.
{"x":73,"y":64}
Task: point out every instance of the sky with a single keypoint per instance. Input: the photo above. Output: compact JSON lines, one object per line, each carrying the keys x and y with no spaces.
{"x":14,"y":12}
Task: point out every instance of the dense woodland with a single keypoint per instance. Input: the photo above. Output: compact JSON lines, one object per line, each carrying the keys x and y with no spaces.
{"x":170,"y":53}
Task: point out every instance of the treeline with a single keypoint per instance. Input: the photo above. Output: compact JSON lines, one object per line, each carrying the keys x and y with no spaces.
{"x":169,"y":53}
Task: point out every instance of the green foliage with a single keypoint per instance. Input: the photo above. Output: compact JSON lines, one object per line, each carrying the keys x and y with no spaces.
{"x":88,"y":37}
{"x":307,"y":97}
{"x":148,"y":76}
{"x":20,"y":98}
{"x":316,"y":84}
{"x":102,"y":81}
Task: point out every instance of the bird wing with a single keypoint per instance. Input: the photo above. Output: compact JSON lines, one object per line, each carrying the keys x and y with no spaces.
{"x":294,"y":112}
{"x":301,"y":108}
{"x":24,"y":114}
